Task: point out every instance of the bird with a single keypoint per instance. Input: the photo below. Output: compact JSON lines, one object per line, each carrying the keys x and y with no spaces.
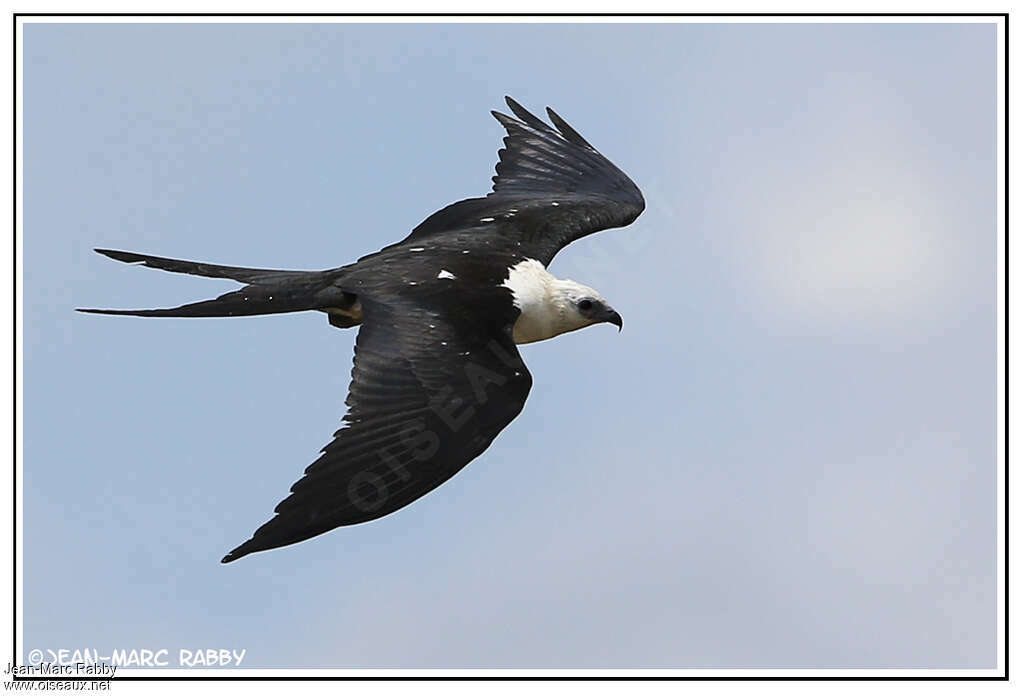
{"x":436,"y":373}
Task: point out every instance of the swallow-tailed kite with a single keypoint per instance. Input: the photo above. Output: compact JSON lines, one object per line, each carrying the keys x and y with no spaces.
{"x":436,"y":374}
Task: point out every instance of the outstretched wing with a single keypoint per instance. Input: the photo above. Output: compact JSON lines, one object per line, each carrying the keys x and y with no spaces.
{"x":551,"y":188}
{"x":429,"y":393}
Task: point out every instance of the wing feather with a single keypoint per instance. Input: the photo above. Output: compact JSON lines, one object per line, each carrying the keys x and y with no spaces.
{"x":558,"y":185}
{"x":415,"y":419}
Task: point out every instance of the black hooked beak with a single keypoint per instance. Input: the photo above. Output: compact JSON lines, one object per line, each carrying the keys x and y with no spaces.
{"x":612,"y":317}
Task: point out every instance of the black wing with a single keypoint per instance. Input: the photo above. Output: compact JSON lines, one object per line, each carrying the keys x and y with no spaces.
{"x":552,"y":187}
{"x":429,"y":393}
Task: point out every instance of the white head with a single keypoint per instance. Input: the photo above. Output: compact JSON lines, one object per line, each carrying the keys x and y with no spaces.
{"x":549,"y":306}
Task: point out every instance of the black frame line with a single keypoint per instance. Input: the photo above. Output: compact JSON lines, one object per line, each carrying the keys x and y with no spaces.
{"x":202,"y":676}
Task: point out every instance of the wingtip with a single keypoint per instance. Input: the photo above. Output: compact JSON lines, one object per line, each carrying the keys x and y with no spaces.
{"x":238,"y":552}
{"x":565,"y":129}
{"x":521,"y":117}
{"x":510,"y":103}
{"x":525,"y":116}
{"x":122,"y":256}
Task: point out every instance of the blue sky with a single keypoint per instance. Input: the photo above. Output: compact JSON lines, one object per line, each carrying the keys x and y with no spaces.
{"x":786,"y":459}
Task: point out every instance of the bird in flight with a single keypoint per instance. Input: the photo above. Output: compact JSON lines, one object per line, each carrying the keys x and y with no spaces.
{"x":436,"y":374}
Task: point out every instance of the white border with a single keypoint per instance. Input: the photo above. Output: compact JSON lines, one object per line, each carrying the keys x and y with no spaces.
{"x":456,"y":673}
{"x":511,"y":19}
{"x":19,"y":337}
{"x":1001,"y":333}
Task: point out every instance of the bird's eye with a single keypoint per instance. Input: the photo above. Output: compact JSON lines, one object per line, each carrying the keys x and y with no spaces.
{"x":585,"y":305}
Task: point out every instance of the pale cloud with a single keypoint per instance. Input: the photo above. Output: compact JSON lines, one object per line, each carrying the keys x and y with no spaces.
{"x":851,"y":231}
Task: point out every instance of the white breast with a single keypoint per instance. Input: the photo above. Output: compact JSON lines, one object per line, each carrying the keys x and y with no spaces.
{"x":539,"y":317}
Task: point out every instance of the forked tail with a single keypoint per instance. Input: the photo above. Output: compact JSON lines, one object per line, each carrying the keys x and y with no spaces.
{"x":266,"y":291}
